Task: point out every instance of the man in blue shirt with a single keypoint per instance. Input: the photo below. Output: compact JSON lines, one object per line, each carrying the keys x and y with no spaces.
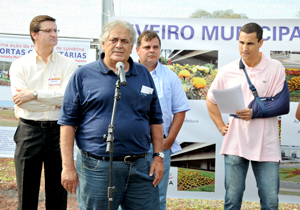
{"x":86,"y":113}
{"x":172,"y":99}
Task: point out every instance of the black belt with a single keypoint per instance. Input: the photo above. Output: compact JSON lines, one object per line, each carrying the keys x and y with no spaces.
{"x":42,"y":124}
{"x":126,"y":159}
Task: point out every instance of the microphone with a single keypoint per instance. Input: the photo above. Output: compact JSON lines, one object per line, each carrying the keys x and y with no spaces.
{"x":121,"y":73}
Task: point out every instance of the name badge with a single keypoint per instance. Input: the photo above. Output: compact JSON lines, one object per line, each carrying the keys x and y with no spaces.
{"x":54,"y":81}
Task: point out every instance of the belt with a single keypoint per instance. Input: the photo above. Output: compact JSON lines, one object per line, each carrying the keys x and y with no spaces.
{"x":126,"y":159}
{"x":42,"y":124}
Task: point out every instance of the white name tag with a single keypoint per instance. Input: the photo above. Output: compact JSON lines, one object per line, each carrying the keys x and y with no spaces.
{"x":54,"y":81}
{"x":146,"y":90}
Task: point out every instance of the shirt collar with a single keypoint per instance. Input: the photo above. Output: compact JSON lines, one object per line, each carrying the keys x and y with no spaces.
{"x":52,"y":56}
{"x":261,"y":65}
{"x":157,"y":69}
{"x":103,"y":68}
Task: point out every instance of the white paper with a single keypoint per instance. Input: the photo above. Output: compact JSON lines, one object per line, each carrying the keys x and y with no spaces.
{"x":147,"y":90}
{"x":229,"y":100}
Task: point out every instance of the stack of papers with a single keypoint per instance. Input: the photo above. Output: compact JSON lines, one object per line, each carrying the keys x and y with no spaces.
{"x":229,"y":100}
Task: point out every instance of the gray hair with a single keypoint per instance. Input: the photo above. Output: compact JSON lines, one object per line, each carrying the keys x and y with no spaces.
{"x":111,"y":25}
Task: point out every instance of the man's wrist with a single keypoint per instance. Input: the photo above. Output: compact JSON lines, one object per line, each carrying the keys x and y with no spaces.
{"x":159,"y":154}
{"x":35,"y":95}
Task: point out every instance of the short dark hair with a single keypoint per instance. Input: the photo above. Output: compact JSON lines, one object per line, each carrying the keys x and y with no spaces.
{"x":251,"y":28}
{"x":35,"y":23}
{"x":148,"y":35}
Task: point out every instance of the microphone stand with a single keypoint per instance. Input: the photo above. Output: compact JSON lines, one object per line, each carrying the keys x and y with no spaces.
{"x":109,"y":139}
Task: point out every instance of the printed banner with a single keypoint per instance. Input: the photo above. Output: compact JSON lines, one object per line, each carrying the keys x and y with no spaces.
{"x":14,"y":47}
{"x":195,"y":49}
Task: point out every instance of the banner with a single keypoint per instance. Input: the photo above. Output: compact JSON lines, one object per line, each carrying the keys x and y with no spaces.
{"x":197,"y":48}
{"x":13,"y":47}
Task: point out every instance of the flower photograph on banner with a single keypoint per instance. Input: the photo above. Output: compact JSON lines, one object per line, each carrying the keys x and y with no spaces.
{"x":289,"y":171}
{"x":7,"y":116}
{"x":195,"y":68}
{"x":196,"y":167}
{"x":4,"y":73}
{"x":291,"y":62}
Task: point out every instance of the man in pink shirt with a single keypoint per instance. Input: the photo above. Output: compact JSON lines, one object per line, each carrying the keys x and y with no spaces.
{"x":247,"y":138}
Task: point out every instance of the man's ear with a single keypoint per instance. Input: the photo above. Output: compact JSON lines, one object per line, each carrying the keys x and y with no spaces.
{"x":103,"y":46}
{"x":260,"y":43}
{"x":34,"y":35}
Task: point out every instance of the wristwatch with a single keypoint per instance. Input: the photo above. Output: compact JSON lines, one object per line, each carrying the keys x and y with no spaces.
{"x":159,"y":154}
{"x":35,"y":94}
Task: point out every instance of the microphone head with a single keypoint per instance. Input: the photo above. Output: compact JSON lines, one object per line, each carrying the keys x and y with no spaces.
{"x":121,"y":73}
{"x":120,"y":64}
{"x":124,"y":83}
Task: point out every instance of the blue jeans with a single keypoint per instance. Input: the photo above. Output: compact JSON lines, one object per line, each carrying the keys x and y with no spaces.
{"x":134,"y":188}
{"x":267,"y":181}
{"x":164,"y":183}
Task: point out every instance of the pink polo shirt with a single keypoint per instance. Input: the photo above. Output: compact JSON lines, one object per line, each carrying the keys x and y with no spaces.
{"x":256,"y":139}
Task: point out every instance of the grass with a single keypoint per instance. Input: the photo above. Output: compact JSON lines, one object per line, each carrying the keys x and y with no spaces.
{"x":5,"y":172}
{"x":8,"y":124}
{"x":290,"y":179}
{"x":7,"y":175}
{"x":6,"y":113}
{"x":193,"y":204}
{"x":208,"y":174}
{"x":5,"y":79}
{"x":203,"y":173}
{"x":207,"y":188}
{"x":289,"y":193}
{"x":10,"y":115}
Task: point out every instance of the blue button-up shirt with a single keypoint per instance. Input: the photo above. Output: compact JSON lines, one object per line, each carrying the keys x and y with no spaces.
{"x":172,"y":97}
{"x":88,"y":104}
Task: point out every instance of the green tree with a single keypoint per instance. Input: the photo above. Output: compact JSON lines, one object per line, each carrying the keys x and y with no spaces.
{"x":164,"y":53}
{"x":298,"y":15}
{"x":200,"y":13}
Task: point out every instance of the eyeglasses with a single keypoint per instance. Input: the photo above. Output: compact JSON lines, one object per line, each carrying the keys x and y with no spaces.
{"x":49,"y":31}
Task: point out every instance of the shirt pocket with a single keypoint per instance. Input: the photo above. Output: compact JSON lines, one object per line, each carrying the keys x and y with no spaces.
{"x":144,"y":101}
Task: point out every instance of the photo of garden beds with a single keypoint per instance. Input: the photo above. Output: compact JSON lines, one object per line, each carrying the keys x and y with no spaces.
{"x":195,"y":180}
{"x":293,"y":79}
{"x":195,"y":79}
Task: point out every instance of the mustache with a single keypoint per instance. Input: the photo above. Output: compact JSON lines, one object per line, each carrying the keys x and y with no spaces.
{"x":151,"y":54}
{"x":117,"y":50}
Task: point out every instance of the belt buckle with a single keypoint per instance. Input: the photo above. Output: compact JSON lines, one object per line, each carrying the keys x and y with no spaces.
{"x":127,"y":161}
{"x":44,"y":125}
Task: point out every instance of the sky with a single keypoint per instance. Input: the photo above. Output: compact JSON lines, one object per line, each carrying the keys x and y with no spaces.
{"x":83,"y":18}
{"x":74,"y":18}
{"x":254,"y":9}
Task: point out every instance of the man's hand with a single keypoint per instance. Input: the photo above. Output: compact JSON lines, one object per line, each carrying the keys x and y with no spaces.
{"x":69,"y":180}
{"x":22,"y":96}
{"x":224,"y":129}
{"x":157,"y":166}
{"x":167,"y":143}
{"x":174,"y":130}
{"x":244,"y":114}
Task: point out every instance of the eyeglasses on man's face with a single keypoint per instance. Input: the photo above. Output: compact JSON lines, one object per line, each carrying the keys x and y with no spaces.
{"x":49,"y":31}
